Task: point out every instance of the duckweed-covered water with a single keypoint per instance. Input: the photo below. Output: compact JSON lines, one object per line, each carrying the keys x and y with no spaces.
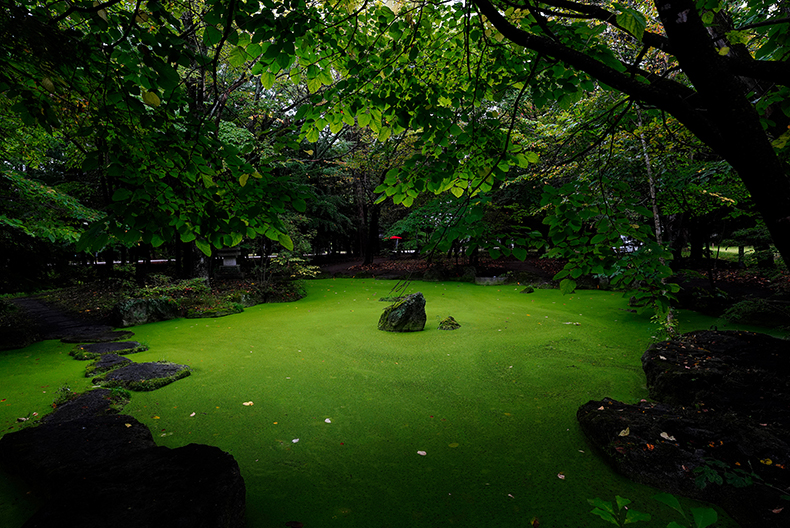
{"x":353,"y":427}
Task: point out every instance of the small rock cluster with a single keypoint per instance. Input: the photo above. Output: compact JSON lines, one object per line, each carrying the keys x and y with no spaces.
{"x":449,"y":323}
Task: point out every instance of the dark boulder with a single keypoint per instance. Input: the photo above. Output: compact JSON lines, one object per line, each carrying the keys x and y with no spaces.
{"x":53,"y":453}
{"x":107,"y":471}
{"x":729,"y":371}
{"x":725,"y":460}
{"x":721,"y":432}
{"x":407,"y":315}
{"x":195,"y":486}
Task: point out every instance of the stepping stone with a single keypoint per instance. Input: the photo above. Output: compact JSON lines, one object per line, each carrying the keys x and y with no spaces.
{"x":96,"y":350}
{"x":106,"y":363}
{"x":143,"y":376}
{"x":98,"y":336}
{"x":88,"y":404}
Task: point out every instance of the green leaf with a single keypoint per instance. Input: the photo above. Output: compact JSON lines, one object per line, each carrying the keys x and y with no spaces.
{"x":286,"y":241}
{"x":520,"y":253}
{"x":157,"y":241}
{"x":622,"y":502}
{"x":384,"y":134}
{"x":363,"y":118}
{"x":212,"y":36}
{"x":673,"y":524}
{"x":188,"y":237}
{"x":670,"y":500}
{"x":267,"y":79}
{"x":636,"y":516}
{"x":567,"y":286}
{"x":704,"y":517}
{"x":632,"y":21}
{"x":254,"y":49}
{"x":336,"y":126}
{"x":151,"y":99}
{"x":243,"y":179}
{"x":606,"y":516}
{"x":235,"y":239}
{"x":237,"y":57}
{"x":313,"y":135}
{"x":494,"y":253}
{"x":203,"y":246}
{"x":121,"y":195}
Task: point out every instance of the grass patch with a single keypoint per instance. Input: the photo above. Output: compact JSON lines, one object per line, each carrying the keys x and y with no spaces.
{"x":341,"y":410}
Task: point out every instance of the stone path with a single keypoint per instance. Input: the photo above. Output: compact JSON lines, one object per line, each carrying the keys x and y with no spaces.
{"x":53,"y":323}
{"x":103,"y":469}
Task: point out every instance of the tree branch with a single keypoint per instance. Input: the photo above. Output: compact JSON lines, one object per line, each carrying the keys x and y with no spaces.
{"x":666,"y":94}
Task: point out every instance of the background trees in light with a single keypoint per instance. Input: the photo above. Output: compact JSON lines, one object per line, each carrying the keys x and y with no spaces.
{"x":204,"y":124}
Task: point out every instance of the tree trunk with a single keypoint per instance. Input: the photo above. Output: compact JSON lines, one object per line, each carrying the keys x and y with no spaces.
{"x":733,"y":126}
{"x":716,"y":109}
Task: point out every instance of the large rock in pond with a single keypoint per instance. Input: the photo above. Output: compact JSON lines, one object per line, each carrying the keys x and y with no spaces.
{"x":407,"y":315}
{"x":728,"y":371}
{"x":99,"y":471}
{"x":726,"y":460}
{"x":720,"y":434}
{"x":133,"y":312}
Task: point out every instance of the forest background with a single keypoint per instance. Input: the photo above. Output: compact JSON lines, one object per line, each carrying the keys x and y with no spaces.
{"x":622,"y":137}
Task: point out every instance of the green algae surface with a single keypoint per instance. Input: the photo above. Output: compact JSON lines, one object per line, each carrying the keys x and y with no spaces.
{"x":335,"y":423}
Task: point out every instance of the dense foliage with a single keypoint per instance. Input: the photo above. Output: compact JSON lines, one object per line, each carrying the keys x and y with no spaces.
{"x":563,"y":125}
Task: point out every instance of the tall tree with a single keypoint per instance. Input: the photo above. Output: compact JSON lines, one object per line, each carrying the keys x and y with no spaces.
{"x":726,"y":75}
{"x":140,"y":89}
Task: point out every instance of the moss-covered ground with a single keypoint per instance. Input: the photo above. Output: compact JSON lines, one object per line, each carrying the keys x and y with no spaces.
{"x":353,"y":427}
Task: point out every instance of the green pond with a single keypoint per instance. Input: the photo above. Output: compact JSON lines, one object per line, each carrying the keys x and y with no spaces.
{"x":353,"y":427}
